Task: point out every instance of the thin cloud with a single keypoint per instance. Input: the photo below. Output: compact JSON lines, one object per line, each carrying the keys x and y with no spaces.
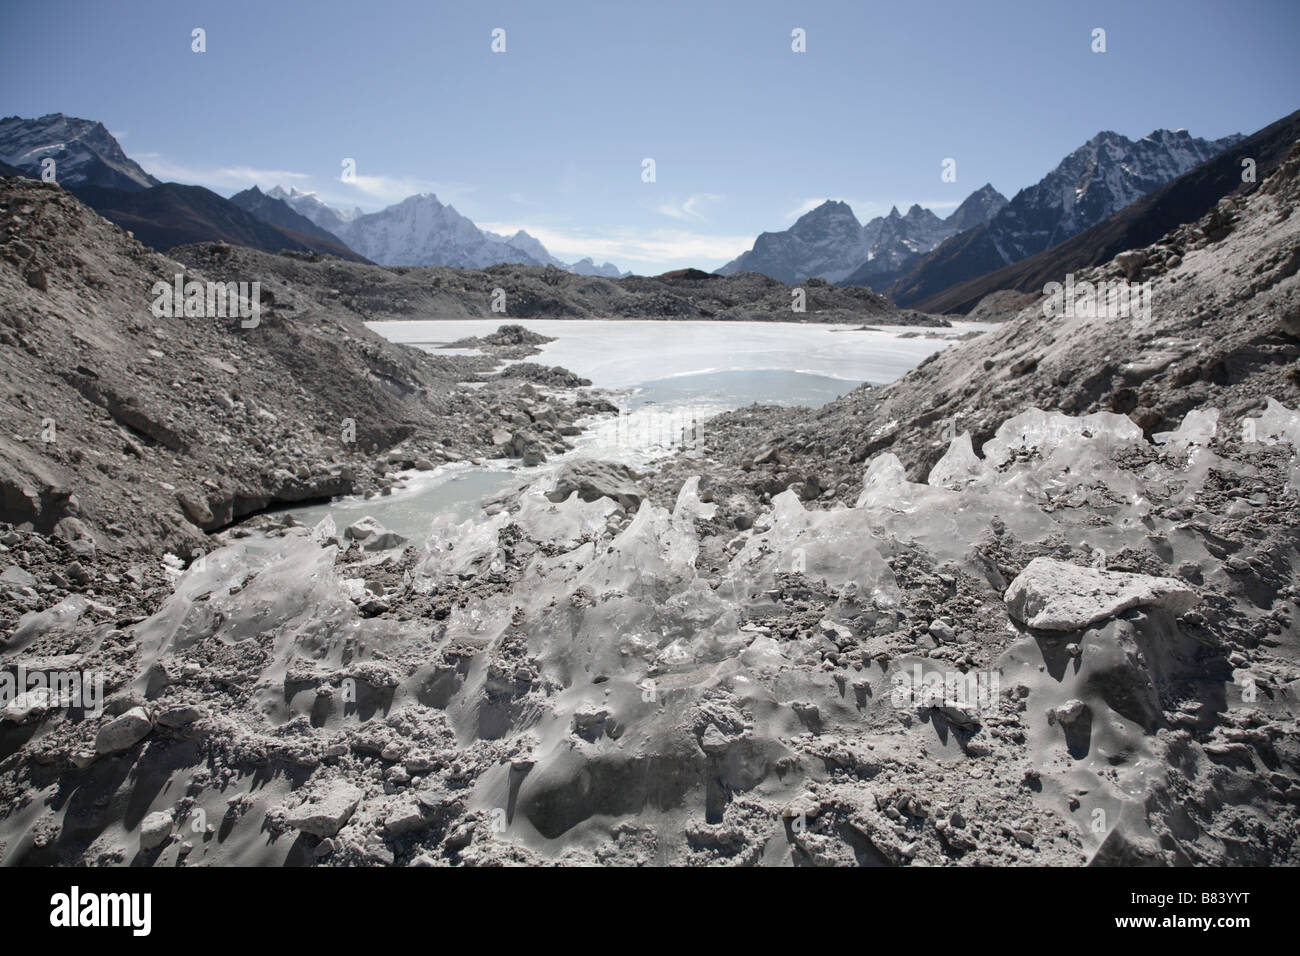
{"x":659,"y":246}
{"x":387,"y":190}
{"x":690,"y":209}
{"x":216,"y":177}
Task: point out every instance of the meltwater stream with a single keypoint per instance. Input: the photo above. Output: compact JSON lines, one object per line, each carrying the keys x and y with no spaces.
{"x":664,"y":376}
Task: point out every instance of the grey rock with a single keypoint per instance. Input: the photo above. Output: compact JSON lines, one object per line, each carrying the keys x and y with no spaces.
{"x":327,"y":814}
{"x":598,"y":479}
{"x":123,"y":732}
{"x":155,"y":829}
{"x":1055,"y":596}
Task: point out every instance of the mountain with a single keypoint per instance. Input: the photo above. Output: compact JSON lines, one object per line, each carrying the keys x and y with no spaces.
{"x":588,"y":267}
{"x":896,"y":242}
{"x":421,"y":231}
{"x":829,"y":243}
{"x":312,"y":208}
{"x":1095,"y":181}
{"x":978,"y":208}
{"x":1183,"y":200}
{"x":173,"y":215}
{"x":825,"y":243}
{"x":279,"y":213}
{"x":84,"y":152}
{"x":418,"y":231}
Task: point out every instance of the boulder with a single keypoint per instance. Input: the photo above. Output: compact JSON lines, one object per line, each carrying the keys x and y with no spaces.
{"x":593,"y":480}
{"x":155,"y":829}
{"x":196,"y":507}
{"x":370,"y":535}
{"x":326,"y":815}
{"x":124,"y":732}
{"x":1055,"y":596}
{"x":16,"y":577}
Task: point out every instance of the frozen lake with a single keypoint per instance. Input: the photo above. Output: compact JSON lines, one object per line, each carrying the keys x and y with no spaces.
{"x":665,"y":376}
{"x":624,"y":353}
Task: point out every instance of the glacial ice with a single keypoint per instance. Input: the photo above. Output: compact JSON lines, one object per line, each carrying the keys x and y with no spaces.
{"x":1197,"y":428}
{"x":1278,"y":424}
{"x":602,"y":612}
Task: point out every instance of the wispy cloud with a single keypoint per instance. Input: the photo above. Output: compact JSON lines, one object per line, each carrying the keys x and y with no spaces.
{"x":654,"y":246}
{"x":369,"y":192}
{"x":808,"y":205}
{"x":390,"y":189}
{"x":690,"y":209}
{"x":219,"y":177}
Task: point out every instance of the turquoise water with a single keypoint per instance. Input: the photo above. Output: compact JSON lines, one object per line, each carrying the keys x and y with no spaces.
{"x":735,"y":389}
{"x":409,"y":510}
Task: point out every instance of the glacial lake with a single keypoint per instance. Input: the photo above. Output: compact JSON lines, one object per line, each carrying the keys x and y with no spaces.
{"x":664,"y":377}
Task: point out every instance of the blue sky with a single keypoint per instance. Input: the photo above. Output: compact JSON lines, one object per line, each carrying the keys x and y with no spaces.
{"x":550,"y":135}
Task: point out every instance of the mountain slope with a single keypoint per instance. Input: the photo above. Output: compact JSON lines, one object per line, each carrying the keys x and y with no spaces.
{"x":418,"y":231}
{"x":829,"y":243}
{"x":1183,"y":200}
{"x":85,"y":153}
{"x":1161,"y":447}
{"x":172,"y":215}
{"x":1095,"y":181}
{"x":279,"y":213}
{"x":310,"y":206}
{"x":826,"y":242}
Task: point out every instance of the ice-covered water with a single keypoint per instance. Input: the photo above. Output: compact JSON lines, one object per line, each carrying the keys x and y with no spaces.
{"x":665,"y":377}
{"x":628,"y":354}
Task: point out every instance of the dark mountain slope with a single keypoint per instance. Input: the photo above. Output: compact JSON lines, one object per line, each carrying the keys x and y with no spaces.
{"x":1183,"y":200}
{"x":279,"y":213}
{"x":175,"y":215}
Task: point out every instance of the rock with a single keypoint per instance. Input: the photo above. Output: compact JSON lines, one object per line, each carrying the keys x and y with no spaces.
{"x":17,"y":577}
{"x":28,"y":705}
{"x":1068,"y":713}
{"x":589,"y":719}
{"x":423,"y":464}
{"x":593,"y":480}
{"x":1131,"y":262}
{"x":1055,"y":596}
{"x":195,"y":507}
{"x":78,"y":536}
{"x":407,"y":817}
{"x":942,"y":631}
{"x":714,"y":742}
{"x":370,"y":535}
{"x":77,"y":573}
{"x":123,"y":732}
{"x":180,"y":716}
{"x":327,"y":814}
{"x":155,"y":829}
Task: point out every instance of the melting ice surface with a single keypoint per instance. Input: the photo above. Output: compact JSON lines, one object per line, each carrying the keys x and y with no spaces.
{"x":631,"y":603}
{"x":594,"y":615}
{"x":665,"y":377}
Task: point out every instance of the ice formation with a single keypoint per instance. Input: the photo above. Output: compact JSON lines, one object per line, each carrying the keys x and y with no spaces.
{"x":601,"y":650}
